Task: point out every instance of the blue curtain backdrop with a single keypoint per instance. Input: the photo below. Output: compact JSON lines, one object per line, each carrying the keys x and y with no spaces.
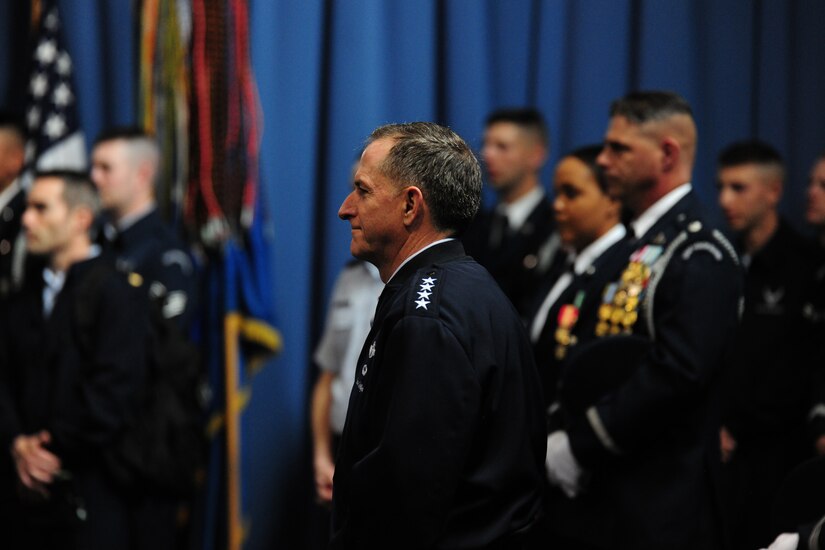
{"x":329,"y":71}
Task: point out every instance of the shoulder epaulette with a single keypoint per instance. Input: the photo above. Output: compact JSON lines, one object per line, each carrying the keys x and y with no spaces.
{"x":425,"y":292}
{"x":695,"y":238}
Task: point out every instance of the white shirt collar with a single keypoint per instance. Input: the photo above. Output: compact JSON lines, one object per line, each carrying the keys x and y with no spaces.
{"x":416,"y":254}
{"x":9,"y":192}
{"x":372,"y":271}
{"x":55,"y":279}
{"x":649,"y":217}
{"x":586,"y":257}
{"x":517,"y":212}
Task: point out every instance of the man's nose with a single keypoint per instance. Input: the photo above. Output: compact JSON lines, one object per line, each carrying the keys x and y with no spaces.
{"x":25,"y":220}
{"x":558,"y":204}
{"x":345,"y":212}
{"x":601,"y":160}
{"x":724,"y":198}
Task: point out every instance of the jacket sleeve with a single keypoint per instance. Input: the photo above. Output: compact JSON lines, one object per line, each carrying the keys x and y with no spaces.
{"x":9,"y":422}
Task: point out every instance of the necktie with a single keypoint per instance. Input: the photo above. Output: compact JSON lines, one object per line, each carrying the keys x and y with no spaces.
{"x":499,"y":227}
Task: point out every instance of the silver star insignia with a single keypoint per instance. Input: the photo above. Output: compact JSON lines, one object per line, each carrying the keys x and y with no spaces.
{"x":428,"y":280}
{"x":421,"y":303}
{"x":424,"y":294}
{"x":426,"y":286}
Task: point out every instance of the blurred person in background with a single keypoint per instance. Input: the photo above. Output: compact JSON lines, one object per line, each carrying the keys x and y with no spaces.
{"x":515,"y":240}
{"x":72,"y":367}
{"x":12,"y":202}
{"x":589,"y":224}
{"x":765,"y":393}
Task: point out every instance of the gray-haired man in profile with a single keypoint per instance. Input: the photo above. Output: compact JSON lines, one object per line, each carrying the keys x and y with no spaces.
{"x":444,"y":440}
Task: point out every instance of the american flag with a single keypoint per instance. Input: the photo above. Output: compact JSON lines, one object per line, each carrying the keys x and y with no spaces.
{"x":55,"y":138}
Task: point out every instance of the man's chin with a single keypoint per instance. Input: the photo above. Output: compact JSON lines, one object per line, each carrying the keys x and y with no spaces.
{"x":34,"y":251}
{"x":815,"y":218}
{"x":357,"y":251}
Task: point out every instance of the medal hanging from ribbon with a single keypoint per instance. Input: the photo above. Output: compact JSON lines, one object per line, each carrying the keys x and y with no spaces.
{"x":619,"y":310}
{"x":568,"y":316}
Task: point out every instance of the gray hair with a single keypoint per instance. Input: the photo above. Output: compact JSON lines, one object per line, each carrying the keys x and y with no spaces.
{"x":441,"y":164}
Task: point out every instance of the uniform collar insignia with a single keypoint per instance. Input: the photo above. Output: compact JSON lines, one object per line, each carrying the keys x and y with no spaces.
{"x":773,"y":297}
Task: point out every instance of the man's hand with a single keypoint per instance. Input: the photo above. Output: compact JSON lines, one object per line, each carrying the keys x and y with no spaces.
{"x":727,"y":444}
{"x":36,"y":466}
{"x":820,"y":445}
{"x":562,"y":468}
{"x":785,"y":541}
{"x":324,"y":470}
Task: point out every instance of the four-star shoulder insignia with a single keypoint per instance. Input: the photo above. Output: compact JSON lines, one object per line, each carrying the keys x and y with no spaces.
{"x":424,"y":292}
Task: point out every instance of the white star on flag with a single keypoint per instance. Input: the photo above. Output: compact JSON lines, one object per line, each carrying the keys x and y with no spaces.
{"x":51,"y":20}
{"x":55,"y":126}
{"x":62,"y":95}
{"x":46,"y":52}
{"x":39,"y":85}
{"x":421,"y":303}
{"x":33,"y":117}
{"x":64,"y":64}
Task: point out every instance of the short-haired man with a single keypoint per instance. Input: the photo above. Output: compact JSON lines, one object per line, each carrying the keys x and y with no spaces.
{"x":815,"y":209}
{"x":70,"y":381}
{"x":635,"y":453}
{"x":12,"y":201}
{"x":815,"y":215}
{"x":125,"y":165}
{"x":12,"y":249}
{"x":766,"y":393}
{"x":443,"y":444}
{"x":515,"y":241}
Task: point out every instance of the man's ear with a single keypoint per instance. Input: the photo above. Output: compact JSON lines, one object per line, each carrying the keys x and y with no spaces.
{"x":84,"y":217}
{"x":671,"y":151}
{"x":775,"y":191}
{"x":146,"y":172}
{"x":413,"y":204}
{"x":538,"y":156}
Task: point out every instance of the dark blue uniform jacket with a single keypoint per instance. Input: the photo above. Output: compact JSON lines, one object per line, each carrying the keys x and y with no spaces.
{"x":444,"y":440}
{"x":646,"y":442}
